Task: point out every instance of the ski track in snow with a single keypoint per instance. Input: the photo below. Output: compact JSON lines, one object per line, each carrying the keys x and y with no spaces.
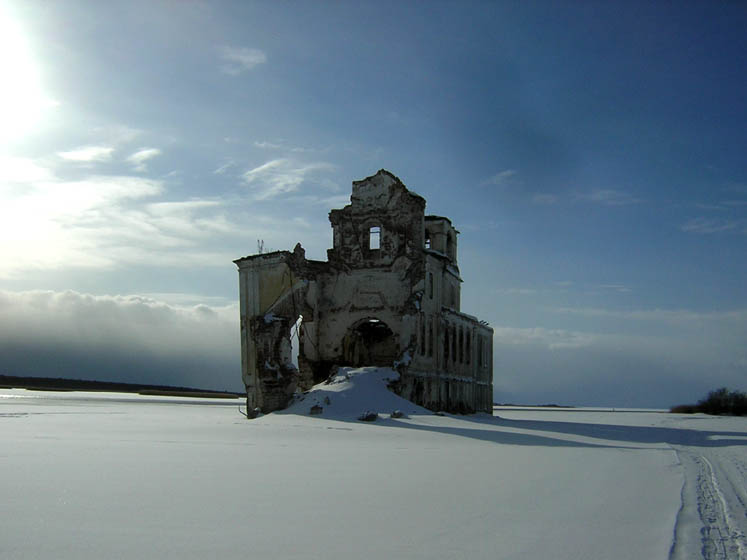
{"x":715,"y":482}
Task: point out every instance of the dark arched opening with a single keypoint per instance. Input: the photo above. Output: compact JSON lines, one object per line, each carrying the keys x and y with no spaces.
{"x":370,"y":342}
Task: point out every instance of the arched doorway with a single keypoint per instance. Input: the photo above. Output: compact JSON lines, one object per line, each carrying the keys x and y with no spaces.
{"x":370,"y":342}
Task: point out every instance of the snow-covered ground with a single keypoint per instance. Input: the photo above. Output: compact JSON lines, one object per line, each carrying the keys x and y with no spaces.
{"x":96,"y":475}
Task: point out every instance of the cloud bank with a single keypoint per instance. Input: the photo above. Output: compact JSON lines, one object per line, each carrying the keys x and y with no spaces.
{"x":651,"y":358}
{"x":171,"y":340}
{"x":130,"y":339}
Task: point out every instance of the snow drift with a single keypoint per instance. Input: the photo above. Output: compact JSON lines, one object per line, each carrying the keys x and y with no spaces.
{"x":352,"y":393}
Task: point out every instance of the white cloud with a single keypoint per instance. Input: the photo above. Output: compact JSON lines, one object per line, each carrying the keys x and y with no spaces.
{"x":22,"y":170}
{"x":717,"y":207}
{"x":181,"y":208}
{"x":544,"y":198}
{"x":103,"y":221}
{"x":88,"y":154}
{"x":117,"y":134}
{"x":679,"y":317}
{"x":610,"y":197}
{"x":112,"y":221}
{"x":139,"y":158}
{"x":283,"y":176}
{"x":188,"y":219}
{"x":221,"y":170}
{"x":240,"y":59}
{"x":56,"y":223}
{"x":282,"y":145}
{"x":263,"y":144}
{"x":326,"y":202}
{"x":502,"y":178}
{"x":552,"y":339}
{"x":615,"y":288}
{"x":709,"y":225}
{"x":516,"y":291}
{"x":181,"y":299}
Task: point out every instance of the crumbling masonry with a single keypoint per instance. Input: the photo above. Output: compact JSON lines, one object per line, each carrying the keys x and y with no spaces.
{"x":387,"y":296}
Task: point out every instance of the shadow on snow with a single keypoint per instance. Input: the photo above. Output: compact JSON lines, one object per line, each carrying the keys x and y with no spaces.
{"x":500,"y":430}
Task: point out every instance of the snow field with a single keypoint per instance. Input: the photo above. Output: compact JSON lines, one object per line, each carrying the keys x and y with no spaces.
{"x":124,"y":477}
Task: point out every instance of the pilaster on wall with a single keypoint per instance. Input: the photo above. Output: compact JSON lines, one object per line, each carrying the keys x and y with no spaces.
{"x":248,"y":308}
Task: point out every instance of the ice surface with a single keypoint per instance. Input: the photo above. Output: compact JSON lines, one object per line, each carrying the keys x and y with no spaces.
{"x":93,"y":475}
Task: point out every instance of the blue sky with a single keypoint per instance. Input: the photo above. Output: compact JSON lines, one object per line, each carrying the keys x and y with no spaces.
{"x":591,"y":154}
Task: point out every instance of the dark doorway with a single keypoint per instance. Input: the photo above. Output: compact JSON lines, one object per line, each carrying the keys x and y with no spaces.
{"x":370,"y":342}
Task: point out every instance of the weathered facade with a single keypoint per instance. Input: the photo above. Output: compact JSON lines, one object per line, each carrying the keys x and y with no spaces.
{"x":388,"y":295}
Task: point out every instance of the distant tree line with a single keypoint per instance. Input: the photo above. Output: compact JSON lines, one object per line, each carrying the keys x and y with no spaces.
{"x":63,"y":384}
{"x":720,"y":401}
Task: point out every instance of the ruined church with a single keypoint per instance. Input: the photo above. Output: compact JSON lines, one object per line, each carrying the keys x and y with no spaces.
{"x":388,"y":295}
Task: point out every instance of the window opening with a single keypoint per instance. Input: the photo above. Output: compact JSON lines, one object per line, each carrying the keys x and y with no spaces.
{"x":374,"y":237}
{"x":446,"y":344}
{"x":430,"y":338}
{"x":467,"y":349}
{"x":427,"y":240}
{"x":461,"y":345}
{"x":454,"y":344}
{"x":422,"y":334}
{"x":430,"y":285}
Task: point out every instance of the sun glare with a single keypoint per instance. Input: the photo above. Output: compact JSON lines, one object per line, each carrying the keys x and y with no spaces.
{"x":22,"y":100}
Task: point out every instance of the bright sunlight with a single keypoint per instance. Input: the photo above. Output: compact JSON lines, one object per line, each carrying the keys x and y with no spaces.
{"x":22,"y":100}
